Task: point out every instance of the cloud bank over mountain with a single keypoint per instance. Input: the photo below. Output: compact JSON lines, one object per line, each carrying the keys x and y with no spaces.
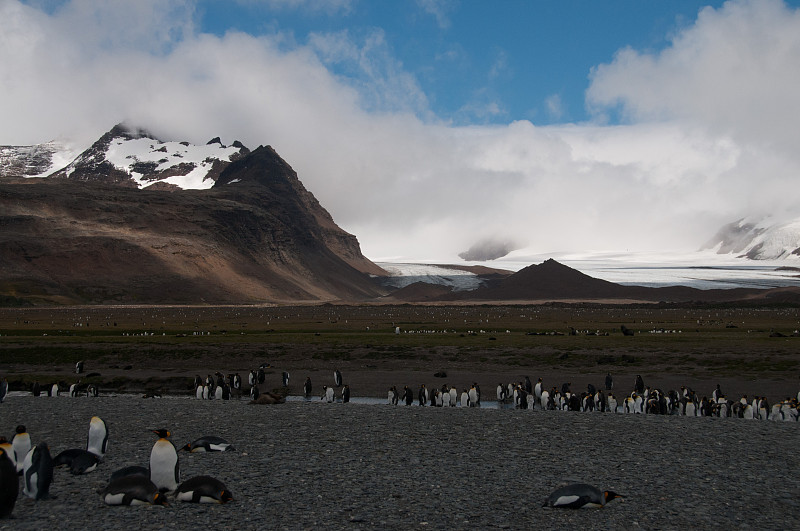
{"x":685,"y":139}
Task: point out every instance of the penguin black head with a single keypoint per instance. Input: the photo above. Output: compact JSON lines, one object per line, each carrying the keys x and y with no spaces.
{"x":160,"y":499}
{"x":163,"y":433}
{"x":611,"y":495}
{"x":187,"y":447}
{"x":21,"y":429}
{"x":225,"y":496}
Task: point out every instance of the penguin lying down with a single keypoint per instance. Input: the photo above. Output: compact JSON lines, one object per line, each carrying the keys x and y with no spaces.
{"x":133,"y":487}
{"x":579,"y":496}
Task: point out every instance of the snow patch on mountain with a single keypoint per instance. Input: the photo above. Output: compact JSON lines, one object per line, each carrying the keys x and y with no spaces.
{"x":141,"y":157}
{"x":758,"y":239}
{"x":402,"y":275}
{"x":37,"y":160}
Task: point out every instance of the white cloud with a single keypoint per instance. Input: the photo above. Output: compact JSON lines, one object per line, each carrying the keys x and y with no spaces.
{"x":405,"y":184}
{"x":440,"y":9}
{"x":734,"y":72}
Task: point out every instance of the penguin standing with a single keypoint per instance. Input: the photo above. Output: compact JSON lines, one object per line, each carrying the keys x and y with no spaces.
{"x":203,"y":489}
{"x":3,"y":389}
{"x":337,"y":378}
{"x":165,"y":470}
{"x":474,"y":401}
{"x":285,"y":377}
{"x":307,"y":387}
{"x":579,"y":496}
{"x":97,"y":441}
{"x":501,"y":393}
{"x":9,"y":484}
{"x":37,"y":389}
{"x":132,"y":490}
{"x":37,"y":472}
{"x":422,"y":395}
{"x":21,"y":444}
{"x":346,"y":394}
{"x":54,"y":390}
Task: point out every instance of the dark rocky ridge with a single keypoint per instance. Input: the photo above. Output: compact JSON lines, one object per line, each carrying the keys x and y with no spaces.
{"x":262,"y":237}
{"x":552,"y":281}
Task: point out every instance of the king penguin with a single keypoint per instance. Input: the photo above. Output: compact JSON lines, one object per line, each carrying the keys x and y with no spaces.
{"x":208,"y":443}
{"x":97,"y":442}
{"x":132,"y":490}
{"x":165,"y":470}
{"x":9,"y":451}
{"x":9,"y":483}
{"x":579,"y":496}
{"x":203,"y":489}
{"x":37,"y":472}
{"x":21,"y":443}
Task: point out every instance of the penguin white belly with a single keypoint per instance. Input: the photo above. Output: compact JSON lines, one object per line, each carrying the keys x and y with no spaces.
{"x":30,"y":484}
{"x":499,"y":392}
{"x":115,"y":499}
{"x":164,"y":471}
{"x":464,"y":399}
{"x":199,"y":392}
{"x":218,"y":393}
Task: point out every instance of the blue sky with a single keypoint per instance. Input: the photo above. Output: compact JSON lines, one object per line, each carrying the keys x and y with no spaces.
{"x":477,"y":61}
{"x":426,"y":126}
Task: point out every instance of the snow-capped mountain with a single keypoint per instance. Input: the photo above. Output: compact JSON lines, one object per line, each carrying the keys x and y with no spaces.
{"x":114,"y":225}
{"x":38,"y":160}
{"x":761,"y":239}
{"x":134,"y":157}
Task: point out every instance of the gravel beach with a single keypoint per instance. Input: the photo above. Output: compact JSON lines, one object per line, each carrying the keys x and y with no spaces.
{"x":313,"y":465}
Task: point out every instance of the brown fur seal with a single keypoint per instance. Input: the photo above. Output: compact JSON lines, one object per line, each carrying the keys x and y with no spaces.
{"x":268,"y":398}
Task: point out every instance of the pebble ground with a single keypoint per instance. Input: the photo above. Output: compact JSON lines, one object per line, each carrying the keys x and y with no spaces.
{"x":312,"y":465}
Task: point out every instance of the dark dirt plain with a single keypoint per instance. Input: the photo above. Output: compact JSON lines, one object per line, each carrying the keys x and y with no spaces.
{"x":312,"y":465}
{"x":747,"y":350}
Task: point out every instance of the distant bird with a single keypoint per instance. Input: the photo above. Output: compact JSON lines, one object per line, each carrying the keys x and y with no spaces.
{"x":337,"y":378}
{"x":579,"y":496}
{"x":3,"y":390}
{"x":307,"y":387}
{"x":285,"y":378}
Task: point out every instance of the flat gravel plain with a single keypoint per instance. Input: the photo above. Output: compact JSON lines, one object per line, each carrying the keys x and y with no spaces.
{"x":312,"y":465}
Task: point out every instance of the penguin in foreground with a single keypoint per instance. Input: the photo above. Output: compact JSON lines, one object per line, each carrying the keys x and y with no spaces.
{"x":97,"y":442}
{"x":132,"y":490}
{"x":165,"y":470}
{"x":203,"y":489}
{"x":579,"y":496}
{"x":21,"y":443}
{"x":208,"y":443}
{"x":6,"y":447}
{"x":9,"y":484}
{"x":132,"y":470}
{"x":79,"y":461}
{"x":37,"y":472}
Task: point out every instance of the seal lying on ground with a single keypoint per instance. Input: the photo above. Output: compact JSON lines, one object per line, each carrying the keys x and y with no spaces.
{"x":268,"y":398}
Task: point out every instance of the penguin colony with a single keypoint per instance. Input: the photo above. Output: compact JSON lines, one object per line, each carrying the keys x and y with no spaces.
{"x":130,"y":485}
{"x":526,"y":395}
